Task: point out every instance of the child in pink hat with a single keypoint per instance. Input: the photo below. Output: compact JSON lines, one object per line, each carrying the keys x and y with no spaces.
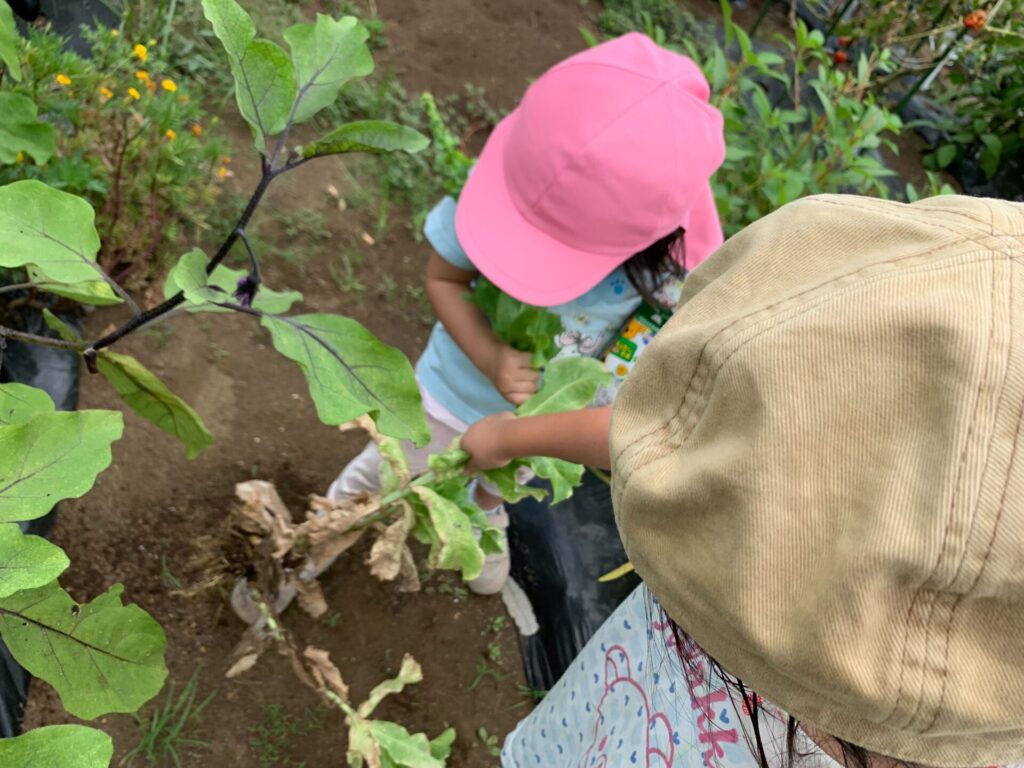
{"x":591,"y":196}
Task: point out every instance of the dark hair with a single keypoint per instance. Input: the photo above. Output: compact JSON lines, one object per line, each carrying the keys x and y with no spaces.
{"x":853,"y":756}
{"x":657,"y":264}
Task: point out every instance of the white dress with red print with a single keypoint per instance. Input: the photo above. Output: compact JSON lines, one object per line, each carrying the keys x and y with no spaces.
{"x":632,"y":699}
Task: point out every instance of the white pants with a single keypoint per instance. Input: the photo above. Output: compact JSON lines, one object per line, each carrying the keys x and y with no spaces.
{"x":361,"y":475}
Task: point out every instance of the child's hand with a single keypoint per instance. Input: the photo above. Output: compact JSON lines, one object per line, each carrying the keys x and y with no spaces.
{"x":483,"y":442}
{"x":512,"y":374}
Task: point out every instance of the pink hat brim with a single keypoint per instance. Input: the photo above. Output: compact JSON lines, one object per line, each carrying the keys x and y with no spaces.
{"x":518,"y":258}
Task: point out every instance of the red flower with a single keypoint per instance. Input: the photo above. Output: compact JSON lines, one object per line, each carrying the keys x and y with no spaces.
{"x":844,"y":41}
{"x":840,"y":57}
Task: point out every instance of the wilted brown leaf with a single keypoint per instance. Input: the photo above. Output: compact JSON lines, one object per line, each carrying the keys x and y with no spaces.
{"x":311,"y":597}
{"x":328,"y":527}
{"x":326,"y":675}
{"x":385,"y":559}
{"x":263,"y":513}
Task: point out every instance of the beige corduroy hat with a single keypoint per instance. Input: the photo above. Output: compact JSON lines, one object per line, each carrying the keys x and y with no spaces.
{"x":819,"y":470}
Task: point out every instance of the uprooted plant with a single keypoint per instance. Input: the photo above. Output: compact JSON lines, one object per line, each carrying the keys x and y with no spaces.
{"x":435,"y":508}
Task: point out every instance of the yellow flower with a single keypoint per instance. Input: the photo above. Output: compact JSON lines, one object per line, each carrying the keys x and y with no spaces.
{"x":222,"y":172}
{"x":62,"y":79}
{"x":141,"y":52}
{"x":105,"y":93}
{"x":197,"y":129}
{"x":169,"y":85}
{"x":20,"y":157}
{"x":142,"y":75}
{"x":134,"y":94}
{"x":150,"y":86}
{"x":114,"y":33}
{"x":170,"y":134}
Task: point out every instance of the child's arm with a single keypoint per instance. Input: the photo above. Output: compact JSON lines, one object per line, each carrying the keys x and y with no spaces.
{"x":508,"y":368}
{"x":579,"y":436}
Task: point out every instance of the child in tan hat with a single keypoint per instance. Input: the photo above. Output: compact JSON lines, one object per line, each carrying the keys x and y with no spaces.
{"x":819,"y":473}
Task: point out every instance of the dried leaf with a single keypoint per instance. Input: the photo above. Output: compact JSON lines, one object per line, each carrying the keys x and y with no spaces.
{"x":311,"y":597}
{"x":386,"y":555}
{"x":243,"y":665}
{"x":409,"y":673}
{"x":326,"y":675}
{"x":409,"y":575}
{"x":328,"y":527}
{"x":365,"y":423}
{"x":263,"y":513}
{"x":248,"y":650}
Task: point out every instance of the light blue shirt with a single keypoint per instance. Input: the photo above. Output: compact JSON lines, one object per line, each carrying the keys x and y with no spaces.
{"x":588,"y":323}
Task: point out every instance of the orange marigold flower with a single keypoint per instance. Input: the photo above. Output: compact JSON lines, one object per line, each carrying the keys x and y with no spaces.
{"x":142,"y":75}
{"x":134,"y":94}
{"x":62,"y":79}
{"x":150,"y":86}
{"x":170,"y":134}
{"x":197,"y":129}
{"x":168,"y":85}
{"x":105,"y":93}
{"x":141,"y":52}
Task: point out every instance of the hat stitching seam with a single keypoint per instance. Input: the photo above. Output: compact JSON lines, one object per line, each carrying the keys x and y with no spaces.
{"x":991,"y":231}
{"x":992,"y":537}
{"x":677,"y":416}
{"x":827,"y":200}
{"x":984,"y":562}
{"x":948,"y":541}
{"x":984,"y":242}
{"x":573,"y":164}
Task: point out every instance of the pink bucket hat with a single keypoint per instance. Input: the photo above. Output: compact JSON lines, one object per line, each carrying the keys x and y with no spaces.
{"x":608,"y":151}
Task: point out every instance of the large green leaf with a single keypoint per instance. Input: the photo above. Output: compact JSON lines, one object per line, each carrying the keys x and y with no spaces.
{"x":145,"y":394}
{"x":373,"y":136}
{"x":264,"y":75}
{"x":20,"y":402}
{"x":351,"y":373}
{"x":95,"y":292}
{"x":189,"y":275}
{"x":521,"y":326}
{"x":58,"y":746}
{"x":232,"y":25}
{"x":9,"y":42}
{"x":22,"y":131}
{"x":27,"y":562}
{"x":326,"y":55}
{"x":457,"y":547}
{"x":101,"y":656}
{"x":568,"y":383}
{"x":51,"y":229}
{"x":51,"y":457}
{"x":264,"y":89}
{"x":563,"y":475}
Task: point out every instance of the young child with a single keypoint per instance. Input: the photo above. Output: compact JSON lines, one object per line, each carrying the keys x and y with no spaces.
{"x":593,"y":193}
{"x":818,"y":471}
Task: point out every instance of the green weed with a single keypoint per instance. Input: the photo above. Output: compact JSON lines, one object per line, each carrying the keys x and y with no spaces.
{"x":168,"y":735}
{"x":275,"y":733}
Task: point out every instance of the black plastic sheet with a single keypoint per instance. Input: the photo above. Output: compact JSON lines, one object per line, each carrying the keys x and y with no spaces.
{"x":558,"y":554}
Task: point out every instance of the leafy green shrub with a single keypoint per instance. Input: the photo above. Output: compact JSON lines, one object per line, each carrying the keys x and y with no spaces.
{"x":814,"y":135}
{"x":131,"y":139}
{"x":983,"y":96}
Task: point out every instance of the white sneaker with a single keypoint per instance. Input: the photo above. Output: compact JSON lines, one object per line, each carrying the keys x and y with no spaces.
{"x":496,"y":567}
